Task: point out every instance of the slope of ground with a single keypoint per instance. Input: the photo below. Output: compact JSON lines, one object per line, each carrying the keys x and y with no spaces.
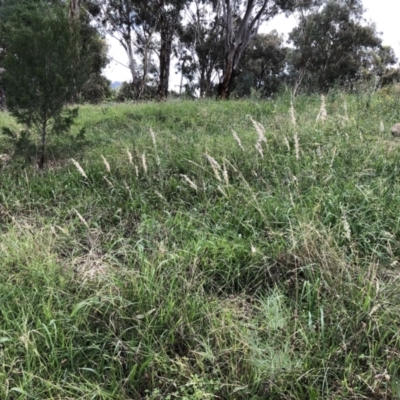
{"x":200,"y":250}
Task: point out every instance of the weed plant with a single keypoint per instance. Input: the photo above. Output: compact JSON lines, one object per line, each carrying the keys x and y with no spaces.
{"x":206,"y":250}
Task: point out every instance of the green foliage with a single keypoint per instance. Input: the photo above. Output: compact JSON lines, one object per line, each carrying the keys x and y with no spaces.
{"x":201,"y":52}
{"x":127,"y":92}
{"x":96,"y":88}
{"x":263,"y":66}
{"x":45,"y":67}
{"x":333,"y":46}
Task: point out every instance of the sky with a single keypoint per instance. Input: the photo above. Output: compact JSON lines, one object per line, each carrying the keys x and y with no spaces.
{"x":384,"y":13}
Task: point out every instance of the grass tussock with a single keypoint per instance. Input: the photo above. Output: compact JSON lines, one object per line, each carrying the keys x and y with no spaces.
{"x":206,"y":250}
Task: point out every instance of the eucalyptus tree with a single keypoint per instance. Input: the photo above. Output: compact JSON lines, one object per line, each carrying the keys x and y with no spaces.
{"x":119,"y":19}
{"x":169,"y":15}
{"x":134,"y":22}
{"x":380,"y":63}
{"x":241,"y":21}
{"x":263,"y":65}
{"x":202,"y":44}
{"x":330,"y":45}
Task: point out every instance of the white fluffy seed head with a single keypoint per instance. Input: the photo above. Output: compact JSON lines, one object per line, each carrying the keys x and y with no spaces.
{"x":322,"y":115}
{"x":215,"y":167}
{"x":286,"y":142}
{"x":296,"y":145}
{"x":79,"y":168}
{"x":130,"y":158}
{"x":144,"y":163}
{"x":346,"y":227}
{"x":190,"y":182}
{"x":153,"y":137}
{"x":292,"y":114}
{"x":225,"y":175}
{"x":106,"y":164}
{"x":259,"y":129}
{"x":237,"y":138}
{"x":159,"y":195}
{"x":221,"y":191}
{"x":259,"y":148}
{"x":346,"y":115}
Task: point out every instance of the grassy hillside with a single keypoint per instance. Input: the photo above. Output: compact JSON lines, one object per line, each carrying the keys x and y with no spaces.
{"x":165,"y":257}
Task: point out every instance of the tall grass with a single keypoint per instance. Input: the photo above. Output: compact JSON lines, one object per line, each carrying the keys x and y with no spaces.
{"x":167,"y":257}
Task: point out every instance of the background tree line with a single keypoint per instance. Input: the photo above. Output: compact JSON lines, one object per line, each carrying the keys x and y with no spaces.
{"x":217,"y":48}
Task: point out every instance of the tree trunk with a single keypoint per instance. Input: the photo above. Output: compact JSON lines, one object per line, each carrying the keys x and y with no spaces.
{"x":165,"y":61}
{"x":2,"y":99}
{"x":132,"y":62}
{"x":74,"y":8}
{"x":43,"y":145}
{"x":209,"y":80}
{"x":203,"y":84}
{"x":223,"y":89}
{"x":2,"y":94}
{"x":181,"y":82}
{"x":146,"y":56}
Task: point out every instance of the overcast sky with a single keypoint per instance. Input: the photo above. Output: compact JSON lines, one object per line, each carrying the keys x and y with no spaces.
{"x":384,"y":13}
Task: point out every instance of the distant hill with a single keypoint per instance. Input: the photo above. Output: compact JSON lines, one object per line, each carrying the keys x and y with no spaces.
{"x":115,"y":85}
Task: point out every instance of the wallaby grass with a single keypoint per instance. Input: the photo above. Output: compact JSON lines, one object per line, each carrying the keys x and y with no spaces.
{"x":180,"y":265}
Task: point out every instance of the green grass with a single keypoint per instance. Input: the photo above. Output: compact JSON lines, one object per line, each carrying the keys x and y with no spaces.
{"x":271,"y":277}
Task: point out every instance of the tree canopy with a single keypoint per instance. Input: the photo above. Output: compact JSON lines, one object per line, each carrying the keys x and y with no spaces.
{"x":45,"y":65}
{"x":331,"y":45}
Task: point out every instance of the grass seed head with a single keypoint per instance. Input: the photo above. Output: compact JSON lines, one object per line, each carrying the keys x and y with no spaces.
{"x":225,"y":174}
{"x":79,"y":168}
{"x":144,"y":163}
{"x":292,"y":113}
{"x":258,"y":147}
{"x":259,"y":128}
{"x":296,"y":145}
{"x":322,"y":115}
{"x":158,"y":194}
{"x":106,"y":164}
{"x":215,"y":166}
{"x":346,"y":227}
{"x":190,"y":182}
{"x":109,"y":183}
{"x":130,"y":158}
{"x":287,"y":143}
{"x":221,"y":191}
{"x":81,"y":218}
{"x":346,"y":115}
{"x":237,"y":138}
{"x":153,"y":137}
